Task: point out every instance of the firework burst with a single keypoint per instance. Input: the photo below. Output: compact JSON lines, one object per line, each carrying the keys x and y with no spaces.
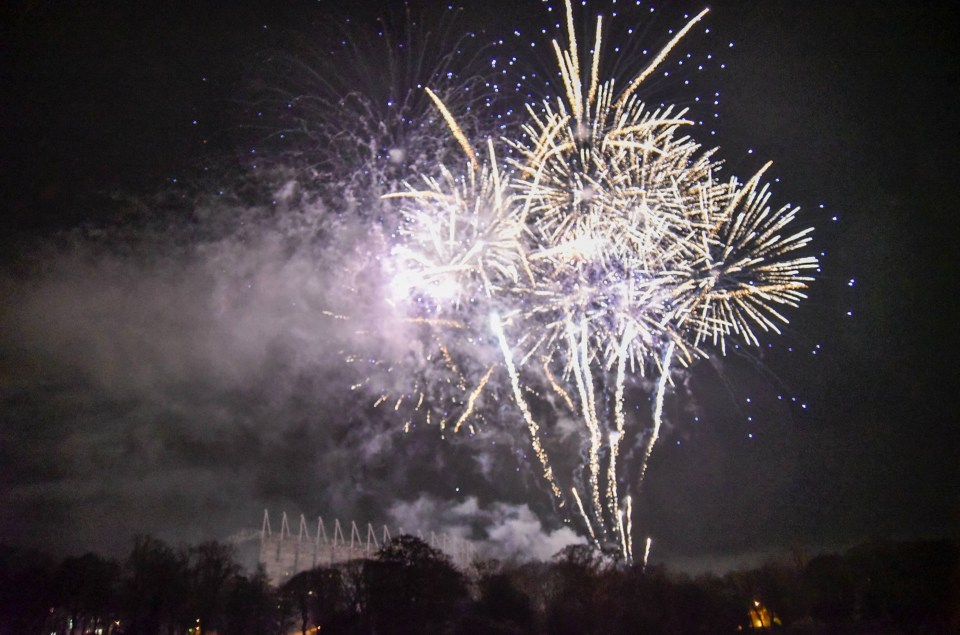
{"x":607,"y":248}
{"x":352,"y":119}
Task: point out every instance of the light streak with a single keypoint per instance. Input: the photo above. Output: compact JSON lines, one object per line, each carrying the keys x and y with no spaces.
{"x":473,"y":399}
{"x":532,"y":426}
{"x":657,"y":409}
{"x":455,"y":129}
{"x":557,"y":388}
{"x":627,"y":556}
{"x":581,"y":372}
{"x":615,"y":438}
{"x":662,"y":55}
{"x":583,"y":515}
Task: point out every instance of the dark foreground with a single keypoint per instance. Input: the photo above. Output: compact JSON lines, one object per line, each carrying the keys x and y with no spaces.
{"x":409,"y":587}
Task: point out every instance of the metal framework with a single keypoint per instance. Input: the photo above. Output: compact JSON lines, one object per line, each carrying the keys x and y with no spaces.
{"x":283,"y":554}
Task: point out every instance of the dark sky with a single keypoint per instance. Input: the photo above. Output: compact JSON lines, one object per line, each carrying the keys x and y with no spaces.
{"x":165,"y":367}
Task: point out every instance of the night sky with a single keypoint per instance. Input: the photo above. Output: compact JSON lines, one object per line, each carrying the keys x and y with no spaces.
{"x":165,"y":366}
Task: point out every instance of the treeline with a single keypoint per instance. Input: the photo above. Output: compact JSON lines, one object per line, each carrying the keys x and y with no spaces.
{"x":409,"y":587}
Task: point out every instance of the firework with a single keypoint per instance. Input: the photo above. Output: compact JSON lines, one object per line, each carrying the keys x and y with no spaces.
{"x":456,"y":255}
{"x":459,"y":238}
{"x":350,"y":116}
{"x":605,"y":249}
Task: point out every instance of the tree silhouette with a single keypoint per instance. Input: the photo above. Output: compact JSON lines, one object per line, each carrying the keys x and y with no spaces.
{"x":251,"y":606}
{"x":829,"y":590}
{"x":502,"y":607}
{"x":156,"y":587}
{"x":26,"y":583}
{"x":210,"y":567}
{"x":411,"y":588}
{"x":87,"y":590}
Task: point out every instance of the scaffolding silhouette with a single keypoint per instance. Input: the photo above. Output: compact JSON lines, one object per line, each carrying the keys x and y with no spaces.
{"x":283,"y":554}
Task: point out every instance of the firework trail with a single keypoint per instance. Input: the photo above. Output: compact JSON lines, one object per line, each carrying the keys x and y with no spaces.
{"x":609,"y":249}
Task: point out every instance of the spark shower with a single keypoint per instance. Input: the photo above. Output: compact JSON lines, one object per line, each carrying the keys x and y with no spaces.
{"x":603,"y":252}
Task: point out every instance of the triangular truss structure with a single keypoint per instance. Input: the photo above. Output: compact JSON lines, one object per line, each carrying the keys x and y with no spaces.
{"x":283,"y":554}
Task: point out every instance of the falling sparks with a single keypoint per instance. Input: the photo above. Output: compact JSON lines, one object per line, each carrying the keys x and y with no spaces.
{"x":534,"y":429}
{"x":473,"y":400}
{"x":610,"y":249}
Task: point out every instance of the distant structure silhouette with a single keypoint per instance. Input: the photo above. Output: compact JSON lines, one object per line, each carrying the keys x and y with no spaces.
{"x":283,"y":554}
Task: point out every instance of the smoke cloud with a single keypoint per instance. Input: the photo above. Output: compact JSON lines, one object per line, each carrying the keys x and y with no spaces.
{"x":178,"y":380}
{"x":498,"y":530}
